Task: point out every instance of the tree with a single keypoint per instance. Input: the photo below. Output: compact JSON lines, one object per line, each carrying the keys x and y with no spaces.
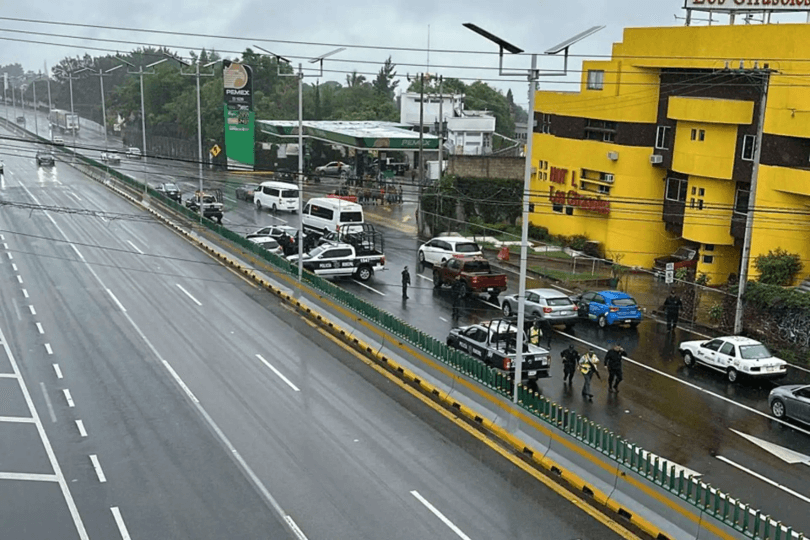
{"x":353,"y":80}
{"x":778,"y":267}
{"x":384,"y":83}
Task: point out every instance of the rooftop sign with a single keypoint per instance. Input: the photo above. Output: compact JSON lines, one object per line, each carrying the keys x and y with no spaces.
{"x":730,"y":6}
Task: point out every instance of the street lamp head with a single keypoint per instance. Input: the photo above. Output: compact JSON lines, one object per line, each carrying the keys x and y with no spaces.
{"x":170,"y":56}
{"x":503,"y":44}
{"x":278,"y":57}
{"x":153,"y":64}
{"x":209,"y":64}
{"x":83,"y":70}
{"x":119,"y":66}
{"x":330,"y":53}
{"x":570,"y":41}
{"x":127,"y":62}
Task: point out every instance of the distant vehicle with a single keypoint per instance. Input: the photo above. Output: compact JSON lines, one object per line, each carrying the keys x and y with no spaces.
{"x":134,"y":152}
{"x":211,"y":201}
{"x":338,"y":237}
{"x":548,"y":304}
{"x":269,"y":243}
{"x":685,"y":257}
{"x":111,"y":157}
{"x":474,"y":272}
{"x":2,"y":167}
{"x":495,"y":344}
{"x":323,"y":215}
{"x":58,"y":141}
{"x":245,"y":192}
{"x":734,"y":356}
{"x":63,"y":121}
{"x":277,"y":196}
{"x":21,"y":120}
{"x":170,"y":190}
{"x":45,"y":157}
{"x":608,"y":308}
{"x":286,"y":236}
{"x":334,"y":168}
{"x":444,"y":248}
{"x":792,"y":401}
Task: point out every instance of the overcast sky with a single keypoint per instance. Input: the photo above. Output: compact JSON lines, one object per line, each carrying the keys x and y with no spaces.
{"x":365,"y":28}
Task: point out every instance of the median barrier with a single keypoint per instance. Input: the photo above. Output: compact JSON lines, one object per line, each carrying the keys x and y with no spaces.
{"x":638,"y":486}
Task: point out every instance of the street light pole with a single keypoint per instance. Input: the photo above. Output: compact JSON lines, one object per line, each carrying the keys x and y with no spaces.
{"x":101,"y":74}
{"x":36,"y":123}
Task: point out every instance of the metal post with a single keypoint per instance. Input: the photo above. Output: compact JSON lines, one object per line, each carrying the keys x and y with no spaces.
{"x":524,"y":228}
{"x":72,"y":114}
{"x":421,"y":126}
{"x":50,"y":103}
{"x":300,"y":172}
{"x":441,"y":125}
{"x":749,"y":220}
{"x":36,"y":124}
{"x":143,"y":134}
{"x":199,"y":139}
{"x":103,"y":109}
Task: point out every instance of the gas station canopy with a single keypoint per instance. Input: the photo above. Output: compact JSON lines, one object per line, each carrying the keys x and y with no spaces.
{"x":360,"y":135}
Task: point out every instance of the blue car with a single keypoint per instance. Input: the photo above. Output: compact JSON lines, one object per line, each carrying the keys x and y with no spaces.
{"x":609,"y":308}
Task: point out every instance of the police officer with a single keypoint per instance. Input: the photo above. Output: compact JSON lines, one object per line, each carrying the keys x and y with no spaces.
{"x":672,"y":307}
{"x":406,"y":280}
{"x":458,"y":293}
{"x":613,"y":361}
{"x":587,"y":366}
{"x":570,"y":357}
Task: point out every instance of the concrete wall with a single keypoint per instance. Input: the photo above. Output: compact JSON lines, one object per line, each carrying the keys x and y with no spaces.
{"x":486,"y":167}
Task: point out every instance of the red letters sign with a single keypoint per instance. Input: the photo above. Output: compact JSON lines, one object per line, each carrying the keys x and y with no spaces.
{"x":558,"y":175}
{"x":748,"y":5}
{"x":572,"y":198}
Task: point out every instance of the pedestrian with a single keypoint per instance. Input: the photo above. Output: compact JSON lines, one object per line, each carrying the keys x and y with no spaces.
{"x":570,"y":357}
{"x":613,"y":361}
{"x":672,"y":307}
{"x":399,"y":195}
{"x":406,"y":280}
{"x":535,"y":332}
{"x":458,"y":293}
{"x":587,"y":366}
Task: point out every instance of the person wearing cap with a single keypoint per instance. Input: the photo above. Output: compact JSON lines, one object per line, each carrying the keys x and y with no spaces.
{"x":406,"y":280}
{"x":587,"y":366}
{"x":672,"y":307}
{"x":570,"y":357}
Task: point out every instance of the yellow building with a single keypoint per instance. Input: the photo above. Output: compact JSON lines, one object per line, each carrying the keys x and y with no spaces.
{"x":658,"y":148}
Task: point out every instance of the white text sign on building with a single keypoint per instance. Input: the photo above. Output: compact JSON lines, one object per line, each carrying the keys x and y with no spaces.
{"x":748,"y":5}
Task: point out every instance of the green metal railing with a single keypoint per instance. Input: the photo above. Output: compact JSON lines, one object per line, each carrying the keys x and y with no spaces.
{"x":667,"y":476}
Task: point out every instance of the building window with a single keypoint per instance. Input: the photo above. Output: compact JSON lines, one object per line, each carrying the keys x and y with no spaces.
{"x":676,"y":189}
{"x":748,"y":147}
{"x":546,"y":126}
{"x":708,"y":259}
{"x":662,"y":138}
{"x":701,"y":192}
{"x":557,"y":208}
{"x":741,"y":201}
{"x":692,"y":202}
{"x":596,"y":79}
{"x":694,"y":134}
{"x":700,"y":204}
{"x":694,"y":190}
{"x":600,"y":130}
{"x":708,"y":247}
{"x":605,"y":190}
{"x":569,"y":210}
{"x":701,"y":135}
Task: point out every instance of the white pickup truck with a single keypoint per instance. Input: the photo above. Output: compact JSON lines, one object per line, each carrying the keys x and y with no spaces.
{"x":360,"y":258}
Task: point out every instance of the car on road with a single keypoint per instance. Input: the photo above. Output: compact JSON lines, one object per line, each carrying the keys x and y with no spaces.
{"x":474,"y":273}
{"x":111,"y":157}
{"x":170,"y":190}
{"x":791,"y":401}
{"x":269,"y":243}
{"x":45,"y":157}
{"x":245,"y":192}
{"x":284,"y":235}
{"x":608,"y":308}
{"x":134,"y":152}
{"x":444,"y":248}
{"x":58,"y":141}
{"x":2,"y":167}
{"x":333,"y":168}
{"x":734,"y":356}
{"x":549,"y":304}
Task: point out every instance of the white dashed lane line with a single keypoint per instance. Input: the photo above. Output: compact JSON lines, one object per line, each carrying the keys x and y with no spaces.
{"x":58,"y":371}
{"x":25,"y":293}
{"x":97,"y":466}
{"x":33,"y":311}
{"x":119,"y":521}
{"x":277,"y":372}
{"x":120,"y":306}
{"x":48,"y":403}
{"x":452,"y":526}
{"x":68,"y":398}
{"x":48,"y":348}
{"x":189,"y":295}
{"x":80,"y":427}
{"x":134,"y":247}
{"x":40,"y":329}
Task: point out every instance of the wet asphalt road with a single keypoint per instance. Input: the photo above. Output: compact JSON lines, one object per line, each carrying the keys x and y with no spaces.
{"x":181,"y":402}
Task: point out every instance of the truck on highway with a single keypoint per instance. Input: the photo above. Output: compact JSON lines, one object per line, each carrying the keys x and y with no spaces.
{"x":63,"y":121}
{"x":359,"y":255}
{"x":211,"y":201}
{"x":474,"y":272}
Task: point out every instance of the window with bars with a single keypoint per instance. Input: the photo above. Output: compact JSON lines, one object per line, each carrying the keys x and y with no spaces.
{"x":662,"y":137}
{"x":676,"y":189}
{"x":600,"y":130}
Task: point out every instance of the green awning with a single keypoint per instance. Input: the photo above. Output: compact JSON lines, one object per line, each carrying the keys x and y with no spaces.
{"x":362,"y":135}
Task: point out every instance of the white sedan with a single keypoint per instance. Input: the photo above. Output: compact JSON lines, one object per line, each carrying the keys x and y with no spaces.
{"x":734,"y":355}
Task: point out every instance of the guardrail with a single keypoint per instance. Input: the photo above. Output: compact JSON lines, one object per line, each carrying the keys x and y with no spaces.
{"x":686,"y":501}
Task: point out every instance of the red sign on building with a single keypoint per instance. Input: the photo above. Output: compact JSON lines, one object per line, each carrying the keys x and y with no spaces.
{"x":557,"y":175}
{"x":572,"y":198}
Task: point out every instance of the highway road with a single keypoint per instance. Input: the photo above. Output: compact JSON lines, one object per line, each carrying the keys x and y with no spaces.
{"x":151,"y":393}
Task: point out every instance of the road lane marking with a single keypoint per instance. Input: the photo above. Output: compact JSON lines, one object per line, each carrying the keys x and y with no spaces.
{"x":372,"y":289}
{"x":80,"y":427}
{"x":120,"y":306}
{"x":97,"y":467}
{"x":5,"y":246}
{"x":425,"y":277}
{"x":277,"y":372}
{"x":29,"y":477}
{"x":439,"y":515}
{"x":40,"y":329}
{"x":173,"y":373}
{"x":68,"y":397}
{"x":19,"y":279}
{"x":119,"y":521}
{"x":79,"y":253}
{"x":785,"y":454}
{"x":33,"y":311}
{"x":25,"y":293}
{"x":443,"y":319}
{"x":691,"y":385}
{"x":48,"y":403}
{"x":189,"y":295}
{"x":496,"y":306}
{"x":48,"y":348}
{"x":14,"y":267}
{"x":10,"y":256}
{"x":765,"y":479}
{"x":295,"y":529}
{"x":74,"y":196}
{"x":17,"y":419}
{"x":8,"y":376}
{"x":229,"y":199}
{"x":134,"y":247}
{"x":58,"y":371}
{"x":16,"y":309}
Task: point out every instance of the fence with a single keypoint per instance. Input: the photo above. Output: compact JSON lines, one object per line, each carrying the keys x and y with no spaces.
{"x":733,"y":517}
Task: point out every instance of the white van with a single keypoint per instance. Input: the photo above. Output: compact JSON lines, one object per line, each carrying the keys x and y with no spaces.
{"x":326,"y":214}
{"x":276,"y":196}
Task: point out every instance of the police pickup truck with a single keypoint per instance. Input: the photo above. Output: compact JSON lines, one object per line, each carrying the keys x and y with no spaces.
{"x":358,"y":255}
{"x":493,"y":343}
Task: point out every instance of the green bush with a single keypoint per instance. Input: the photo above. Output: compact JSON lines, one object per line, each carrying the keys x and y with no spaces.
{"x":578,"y":242}
{"x":778,"y":267}
{"x":538,"y":233}
{"x":768,"y":297}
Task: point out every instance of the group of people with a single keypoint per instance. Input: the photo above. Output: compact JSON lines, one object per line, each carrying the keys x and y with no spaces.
{"x":385,"y":194}
{"x":587,"y":365}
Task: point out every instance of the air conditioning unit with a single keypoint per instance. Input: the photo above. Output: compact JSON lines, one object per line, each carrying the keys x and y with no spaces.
{"x":607,"y":178}
{"x":613,"y":156}
{"x":655,"y":159}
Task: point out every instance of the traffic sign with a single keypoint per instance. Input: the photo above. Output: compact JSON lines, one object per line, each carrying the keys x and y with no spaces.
{"x":670,"y":273}
{"x":215,"y":150}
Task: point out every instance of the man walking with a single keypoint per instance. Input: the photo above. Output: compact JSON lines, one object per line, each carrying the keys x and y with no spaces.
{"x":570,"y":357}
{"x":672,"y":307}
{"x":406,"y":280}
{"x":613,"y":361}
{"x":587,"y":366}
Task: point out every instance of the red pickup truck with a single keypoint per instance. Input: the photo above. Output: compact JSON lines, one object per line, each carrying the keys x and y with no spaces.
{"x":685,"y":257}
{"x":474,"y":272}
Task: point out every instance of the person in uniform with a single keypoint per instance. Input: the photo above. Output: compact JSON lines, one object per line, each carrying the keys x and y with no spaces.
{"x":587,"y":366}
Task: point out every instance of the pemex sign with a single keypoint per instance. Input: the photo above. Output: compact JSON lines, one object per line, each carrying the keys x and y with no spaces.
{"x":240,"y":119}
{"x":730,"y":6}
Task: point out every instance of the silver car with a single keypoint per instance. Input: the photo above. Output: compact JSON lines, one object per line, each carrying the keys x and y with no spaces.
{"x":791,"y":401}
{"x":549,"y":304}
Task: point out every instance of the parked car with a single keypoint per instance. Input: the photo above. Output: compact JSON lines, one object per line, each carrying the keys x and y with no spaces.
{"x":111,"y":157}
{"x":58,"y":141}
{"x":2,"y":167}
{"x":333,"y":168}
{"x":269,"y":243}
{"x":285,"y":236}
{"x":444,"y":248}
{"x":734,"y":355}
{"x":45,"y":157}
{"x":474,"y":272}
{"x":245,"y":192}
{"x":608,"y":308}
{"x":134,"y":152}
{"x":549,"y":304}
{"x":170,"y":190}
{"x":792,"y":401}
{"x":685,"y":257}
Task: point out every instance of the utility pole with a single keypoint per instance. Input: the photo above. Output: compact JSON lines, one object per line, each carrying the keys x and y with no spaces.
{"x":101,"y":74}
{"x":36,"y":123}
{"x":421,"y":128}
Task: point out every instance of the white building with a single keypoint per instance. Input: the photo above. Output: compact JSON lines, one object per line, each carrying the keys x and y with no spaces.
{"x":467,"y":132}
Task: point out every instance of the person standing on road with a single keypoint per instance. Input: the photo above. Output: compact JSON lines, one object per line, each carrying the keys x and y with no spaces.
{"x":672,"y":307}
{"x":587,"y":366}
{"x":570,"y":357}
{"x":613,"y":361}
{"x":458,"y":293}
{"x":406,"y":280}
